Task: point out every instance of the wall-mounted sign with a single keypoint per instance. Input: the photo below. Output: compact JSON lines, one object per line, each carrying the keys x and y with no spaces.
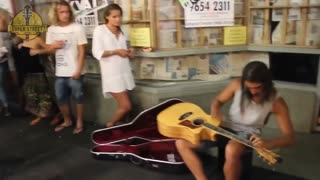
{"x":86,"y":13}
{"x":208,"y":13}
{"x":27,"y":24}
{"x":235,"y":35}
{"x":140,"y":37}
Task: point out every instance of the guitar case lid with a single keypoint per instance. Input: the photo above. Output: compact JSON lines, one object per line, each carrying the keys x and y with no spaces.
{"x":144,"y":126}
{"x":140,"y":142}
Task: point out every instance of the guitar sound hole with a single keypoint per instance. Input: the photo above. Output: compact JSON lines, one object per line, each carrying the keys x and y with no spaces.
{"x":198,"y":122}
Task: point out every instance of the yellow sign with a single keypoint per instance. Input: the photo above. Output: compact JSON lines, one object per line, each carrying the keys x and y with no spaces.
{"x":27,"y":24}
{"x":235,"y":35}
{"x":140,"y":37}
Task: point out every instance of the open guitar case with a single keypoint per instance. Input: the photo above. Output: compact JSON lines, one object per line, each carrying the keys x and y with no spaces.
{"x":139,"y":142}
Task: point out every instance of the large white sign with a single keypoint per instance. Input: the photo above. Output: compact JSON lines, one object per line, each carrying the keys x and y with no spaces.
{"x":86,"y":12}
{"x":208,"y":13}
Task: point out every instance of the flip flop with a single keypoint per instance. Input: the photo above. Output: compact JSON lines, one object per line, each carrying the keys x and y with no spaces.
{"x":61,"y":127}
{"x":78,"y":130}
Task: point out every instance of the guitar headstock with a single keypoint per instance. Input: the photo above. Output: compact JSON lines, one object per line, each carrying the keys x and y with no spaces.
{"x":27,"y":12}
{"x":271,"y":157}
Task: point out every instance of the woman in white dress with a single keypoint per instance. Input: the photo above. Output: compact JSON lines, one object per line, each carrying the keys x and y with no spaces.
{"x":110,"y":48}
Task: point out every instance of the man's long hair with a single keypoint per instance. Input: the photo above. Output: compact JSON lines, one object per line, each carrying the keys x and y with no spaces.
{"x":55,"y":20}
{"x":256,"y":72}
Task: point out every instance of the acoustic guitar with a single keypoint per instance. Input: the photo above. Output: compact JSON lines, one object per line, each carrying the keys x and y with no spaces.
{"x":188,"y":121}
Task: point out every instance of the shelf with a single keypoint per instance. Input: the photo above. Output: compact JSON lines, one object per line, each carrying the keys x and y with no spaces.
{"x":135,"y":21}
{"x":284,"y":7}
{"x":283,"y":49}
{"x":182,"y":19}
{"x":226,"y":49}
{"x":173,"y":19}
{"x":195,"y":51}
{"x":295,"y":86}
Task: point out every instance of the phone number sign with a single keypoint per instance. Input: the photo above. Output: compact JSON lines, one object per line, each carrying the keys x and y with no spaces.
{"x":208,"y":13}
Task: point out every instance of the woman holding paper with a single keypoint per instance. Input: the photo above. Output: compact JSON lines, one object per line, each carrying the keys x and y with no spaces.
{"x":110,"y":48}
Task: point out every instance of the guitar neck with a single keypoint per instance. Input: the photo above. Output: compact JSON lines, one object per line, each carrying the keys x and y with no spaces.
{"x":228,"y":134}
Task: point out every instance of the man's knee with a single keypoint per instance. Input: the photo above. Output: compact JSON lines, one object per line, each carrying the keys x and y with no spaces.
{"x":183,"y":144}
{"x":61,"y":91}
{"x":233,"y":153}
{"x":180,"y":143}
{"x":78,"y":97}
{"x":77,"y":90}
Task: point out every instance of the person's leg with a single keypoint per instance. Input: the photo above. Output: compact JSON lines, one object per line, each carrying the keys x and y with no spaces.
{"x":232,"y":165}
{"x":3,"y":96}
{"x":63,"y":94}
{"x":56,"y":119}
{"x":35,"y":121}
{"x":193,"y":162}
{"x":76,"y":86}
{"x":124,"y":106}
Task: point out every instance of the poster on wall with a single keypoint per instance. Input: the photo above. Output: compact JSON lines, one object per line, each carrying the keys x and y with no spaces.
{"x":208,"y":13}
{"x":86,"y":13}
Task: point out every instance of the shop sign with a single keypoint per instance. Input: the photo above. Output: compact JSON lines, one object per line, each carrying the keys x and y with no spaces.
{"x":27,"y":24}
{"x":208,"y":13}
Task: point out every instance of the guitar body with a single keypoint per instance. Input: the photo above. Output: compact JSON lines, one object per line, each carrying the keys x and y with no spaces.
{"x":189,"y":122}
{"x":183,"y":120}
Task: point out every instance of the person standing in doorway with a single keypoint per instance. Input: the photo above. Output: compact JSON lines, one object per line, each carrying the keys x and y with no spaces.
{"x":110,"y":48}
{"x":68,"y":39}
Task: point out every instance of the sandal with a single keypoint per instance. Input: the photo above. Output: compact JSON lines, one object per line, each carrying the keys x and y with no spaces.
{"x":78,"y":130}
{"x":61,"y":127}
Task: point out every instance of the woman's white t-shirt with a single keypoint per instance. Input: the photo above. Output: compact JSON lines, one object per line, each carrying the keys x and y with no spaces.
{"x":67,"y":57}
{"x":115,"y":70}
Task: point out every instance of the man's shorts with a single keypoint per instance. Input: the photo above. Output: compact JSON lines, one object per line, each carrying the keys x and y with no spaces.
{"x":66,"y":87}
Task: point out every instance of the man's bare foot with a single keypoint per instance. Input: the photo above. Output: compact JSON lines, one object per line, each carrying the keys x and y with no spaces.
{"x":35,"y":121}
{"x":110,"y":124}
